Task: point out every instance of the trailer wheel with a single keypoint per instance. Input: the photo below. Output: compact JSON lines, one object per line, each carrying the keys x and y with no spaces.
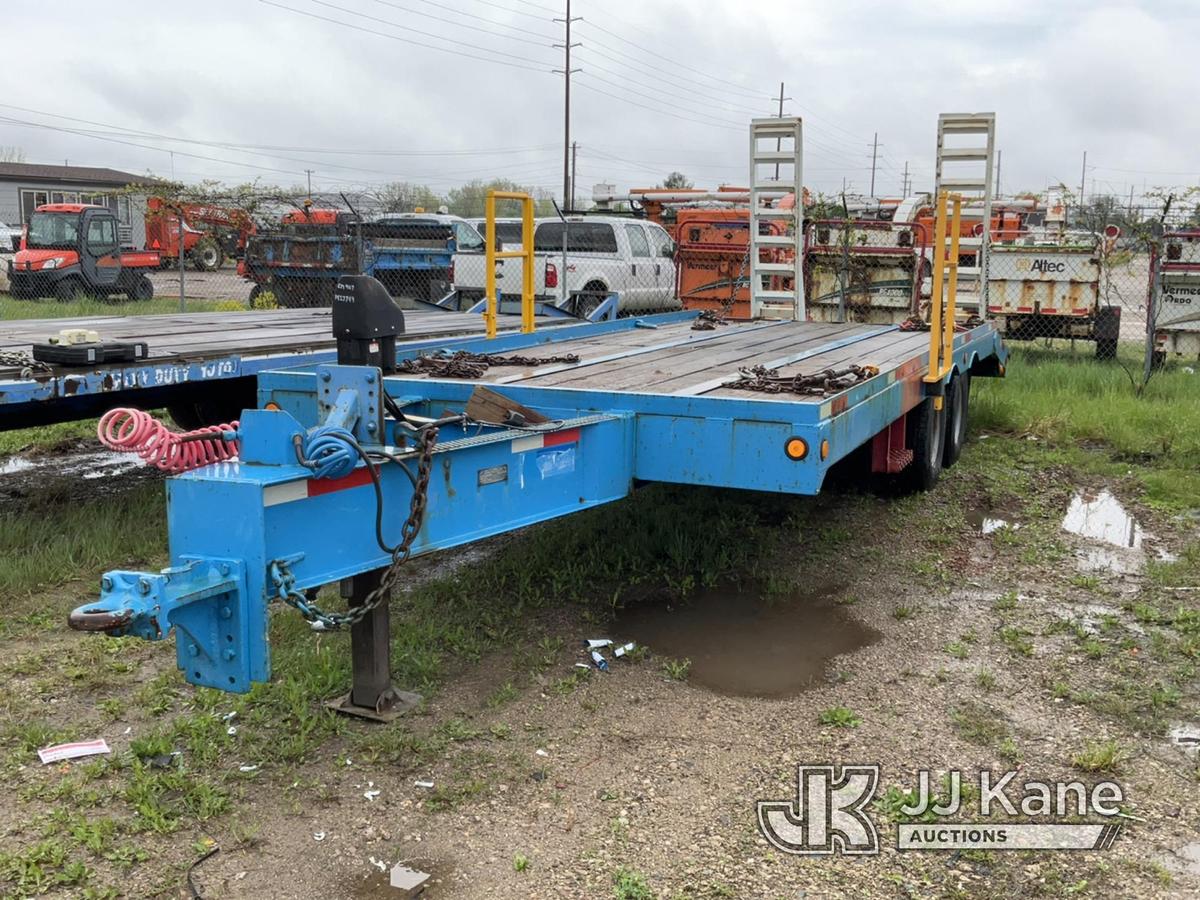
{"x":1106,"y":348}
{"x":207,"y":255}
{"x":957,"y":404}
{"x":184,"y":415}
{"x":589,"y":299}
{"x":142,"y":289}
{"x":926,"y":437}
{"x":1158,"y":360}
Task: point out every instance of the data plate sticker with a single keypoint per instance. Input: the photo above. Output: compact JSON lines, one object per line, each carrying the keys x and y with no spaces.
{"x":493,"y":475}
{"x":556,"y":462}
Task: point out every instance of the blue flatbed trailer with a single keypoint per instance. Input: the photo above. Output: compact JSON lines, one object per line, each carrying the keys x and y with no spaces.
{"x":647,"y":400}
{"x":207,"y":357}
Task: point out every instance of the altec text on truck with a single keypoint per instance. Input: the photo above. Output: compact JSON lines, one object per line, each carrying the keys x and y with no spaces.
{"x":74,"y":248}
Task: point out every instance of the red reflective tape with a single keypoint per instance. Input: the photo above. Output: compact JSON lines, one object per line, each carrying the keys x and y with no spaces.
{"x":567,"y":436}
{"x":357,"y":478}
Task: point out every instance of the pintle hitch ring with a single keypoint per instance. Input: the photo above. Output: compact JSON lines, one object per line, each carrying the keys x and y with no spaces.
{"x":99,"y":619}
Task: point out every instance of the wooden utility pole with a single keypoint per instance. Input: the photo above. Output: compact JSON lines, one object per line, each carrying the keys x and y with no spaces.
{"x":779,"y":141}
{"x":574,"y":155}
{"x":874,"y":154}
{"x":566,"y":46}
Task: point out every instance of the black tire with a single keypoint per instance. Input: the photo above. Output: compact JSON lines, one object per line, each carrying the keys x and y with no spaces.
{"x":184,"y":415}
{"x":926,"y":438}
{"x":207,"y":255}
{"x":1158,"y":360}
{"x":67,"y":290}
{"x":255,"y":292}
{"x":141,"y":289}
{"x":1106,"y":348}
{"x":590,"y":298}
{"x":958,"y":394}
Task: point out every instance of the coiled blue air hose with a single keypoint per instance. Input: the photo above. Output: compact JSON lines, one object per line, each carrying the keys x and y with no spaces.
{"x":330,"y":450}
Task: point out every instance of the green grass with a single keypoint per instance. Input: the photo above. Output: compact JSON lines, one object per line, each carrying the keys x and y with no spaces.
{"x":1068,"y":400}
{"x":629,"y":885}
{"x":47,"y":437}
{"x":839,"y":717}
{"x":48,"y":308}
{"x":1100,"y":756}
{"x":58,"y":537}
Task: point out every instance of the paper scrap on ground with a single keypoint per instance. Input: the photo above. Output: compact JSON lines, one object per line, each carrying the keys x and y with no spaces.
{"x":406,"y":879}
{"x":74,"y":750}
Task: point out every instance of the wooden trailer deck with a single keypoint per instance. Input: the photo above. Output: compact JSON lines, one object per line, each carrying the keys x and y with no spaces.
{"x":189,"y":353}
{"x":672,"y":359}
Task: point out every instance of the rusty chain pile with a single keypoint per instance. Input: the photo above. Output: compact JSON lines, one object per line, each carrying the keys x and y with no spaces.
{"x":463,"y":364}
{"x":709,"y":319}
{"x":23,"y":361}
{"x":285,"y":581}
{"x":916,"y":323}
{"x":818,"y":384}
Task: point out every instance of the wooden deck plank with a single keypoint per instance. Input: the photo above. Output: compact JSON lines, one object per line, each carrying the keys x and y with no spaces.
{"x":698,"y":362}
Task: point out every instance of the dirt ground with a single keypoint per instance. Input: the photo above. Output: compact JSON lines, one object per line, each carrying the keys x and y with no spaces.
{"x":965,"y":629}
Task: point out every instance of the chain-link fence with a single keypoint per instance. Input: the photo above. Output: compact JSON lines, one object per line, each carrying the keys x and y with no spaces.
{"x":1119,"y":278}
{"x":205,"y":249}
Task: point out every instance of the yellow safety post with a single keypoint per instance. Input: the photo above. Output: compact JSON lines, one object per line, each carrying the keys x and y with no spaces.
{"x":525,"y":254}
{"x":935,"y":295}
{"x":944,"y":289}
{"x":955,"y":227}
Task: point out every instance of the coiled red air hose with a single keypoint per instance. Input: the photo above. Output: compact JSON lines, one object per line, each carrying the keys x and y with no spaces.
{"x":136,"y":431}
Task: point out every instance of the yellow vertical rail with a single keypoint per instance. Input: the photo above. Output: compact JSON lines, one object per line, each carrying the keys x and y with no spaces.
{"x":489,"y":239}
{"x":936,"y":291}
{"x":955,"y":228}
{"x":525,"y":254}
{"x":943,"y":294}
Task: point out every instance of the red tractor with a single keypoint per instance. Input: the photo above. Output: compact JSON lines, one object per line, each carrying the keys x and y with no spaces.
{"x":210,"y":233}
{"x":73,"y":248}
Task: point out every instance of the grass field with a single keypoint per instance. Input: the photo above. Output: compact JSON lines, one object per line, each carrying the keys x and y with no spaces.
{"x":131,"y":825}
{"x":47,"y":308}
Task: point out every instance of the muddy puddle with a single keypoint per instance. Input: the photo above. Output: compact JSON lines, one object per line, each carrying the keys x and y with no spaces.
{"x":743,"y":645}
{"x":1101,"y":517}
{"x":378,"y":883}
{"x":61,"y":476}
{"x":86,"y":465}
{"x":986,"y":520}
{"x":1185,"y":736}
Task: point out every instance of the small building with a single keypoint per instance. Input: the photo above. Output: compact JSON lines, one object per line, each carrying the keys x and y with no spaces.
{"x":25,"y":186}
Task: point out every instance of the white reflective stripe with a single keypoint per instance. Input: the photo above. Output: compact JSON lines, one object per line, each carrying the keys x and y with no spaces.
{"x":533,"y":442}
{"x":274,"y":494}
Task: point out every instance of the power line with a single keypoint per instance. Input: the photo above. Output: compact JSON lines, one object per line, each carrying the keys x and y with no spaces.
{"x":402,"y":40}
{"x":690,"y":89}
{"x":460,"y":12}
{"x":123,"y":131}
{"x":651,"y":97}
{"x":428,"y":34}
{"x":653,"y":109}
{"x":733,"y":89}
{"x":414,"y":12}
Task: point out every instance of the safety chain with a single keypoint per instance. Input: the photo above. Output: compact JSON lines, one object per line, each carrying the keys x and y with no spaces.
{"x":819,"y":384}
{"x":463,"y":364}
{"x":26,"y":363}
{"x":710,"y":319}
{"x":916,"y":323}
{"x":321,"y":620}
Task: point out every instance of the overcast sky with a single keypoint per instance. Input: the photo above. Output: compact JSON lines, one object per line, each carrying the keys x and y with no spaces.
{"x":664,"y":84}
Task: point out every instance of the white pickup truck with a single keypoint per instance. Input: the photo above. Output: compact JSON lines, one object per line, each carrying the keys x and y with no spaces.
{"x":578,"y":262}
